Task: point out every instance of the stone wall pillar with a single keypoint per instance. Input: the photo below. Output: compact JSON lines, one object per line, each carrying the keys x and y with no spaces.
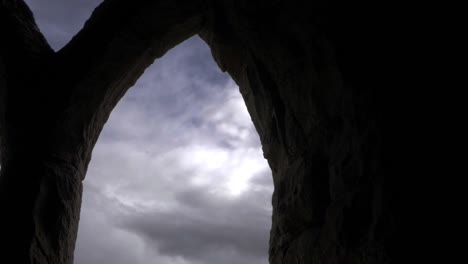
{"x":317,"y":120}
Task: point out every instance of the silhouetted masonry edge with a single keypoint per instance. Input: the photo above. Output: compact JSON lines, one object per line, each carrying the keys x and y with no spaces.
{"x":295,"y":64}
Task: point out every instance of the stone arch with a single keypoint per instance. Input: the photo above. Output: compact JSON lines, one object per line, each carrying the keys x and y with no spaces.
{"x":213,"y":216}
{"x":293,"y":64}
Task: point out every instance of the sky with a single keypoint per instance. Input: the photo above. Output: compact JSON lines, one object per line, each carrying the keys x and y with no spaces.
{"x":178,"y":175}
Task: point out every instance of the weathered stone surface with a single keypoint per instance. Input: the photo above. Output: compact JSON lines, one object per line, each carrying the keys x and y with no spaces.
{"x":317,"y":125}
{"x":296,"y":65}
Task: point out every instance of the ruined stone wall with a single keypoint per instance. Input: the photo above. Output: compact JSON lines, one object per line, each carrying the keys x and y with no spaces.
{"x":301,"y":68}
{"x":317,"y":122}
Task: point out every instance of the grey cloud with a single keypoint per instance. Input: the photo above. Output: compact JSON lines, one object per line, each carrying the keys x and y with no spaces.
{"x":196,"y":235}
{"x":60,"y":20}
{"x":172,"y":106}
{"x":262,"y":179}
{"x":179,"y":235}
{"x":101,"y":241}
{"x":166,"y":92}
{"x":203,"y":223}
{"x":198,"y":228}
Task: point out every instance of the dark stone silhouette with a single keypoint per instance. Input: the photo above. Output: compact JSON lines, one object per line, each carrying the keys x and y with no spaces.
{"x":299,"y":68}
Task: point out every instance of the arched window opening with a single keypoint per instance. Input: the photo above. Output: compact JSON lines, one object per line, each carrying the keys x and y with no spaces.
{"x":177,"y":175}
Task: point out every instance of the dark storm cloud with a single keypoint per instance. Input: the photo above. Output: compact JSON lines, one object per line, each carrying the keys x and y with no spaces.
{"x":177,"y":176}
{"x":200,"y":230}
{"x":204,"y":222}
{"x":182,"y":234}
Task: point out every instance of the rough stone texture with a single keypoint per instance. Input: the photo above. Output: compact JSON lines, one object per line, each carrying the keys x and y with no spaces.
{"x":318,"y":127}
{"x":297,"y":66}
{"x":55,"y":105}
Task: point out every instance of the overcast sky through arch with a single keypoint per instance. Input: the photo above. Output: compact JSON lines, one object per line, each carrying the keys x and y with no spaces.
{"x":177,"y":176}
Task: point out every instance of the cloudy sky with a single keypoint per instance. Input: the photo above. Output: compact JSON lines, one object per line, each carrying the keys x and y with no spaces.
{"x":177,"y":176}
